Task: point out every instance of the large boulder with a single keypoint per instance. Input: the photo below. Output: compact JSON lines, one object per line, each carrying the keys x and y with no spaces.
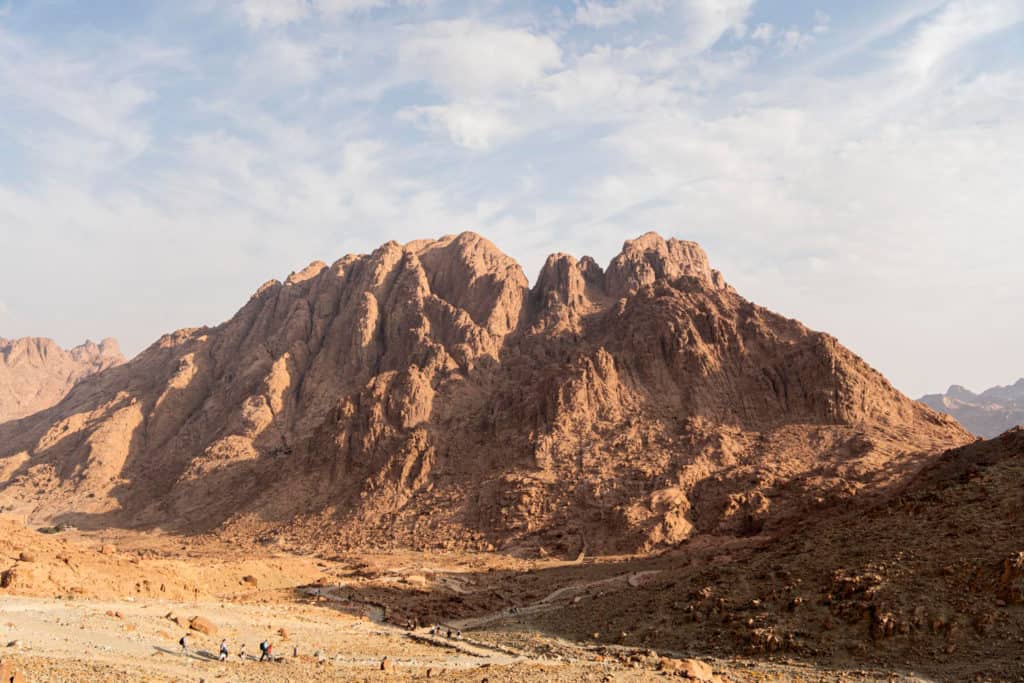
{"x":203,"y":625}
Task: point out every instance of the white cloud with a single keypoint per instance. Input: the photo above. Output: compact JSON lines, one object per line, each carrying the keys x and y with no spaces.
{"x":831,"y":194}
{"x":705,"y":21}
{"x":764,"y":33}
{"x":467,"y":56}
{"x":91,"y":106}
{"x":473,"y":127}
{"x":335,"y":8}
{"x":270,"y":13}
{"x":821,"y":22}
{"x":3,"y":308}
{"x":794,"y":40}
{"x":282,"y":61}
{"x":702,"y":22}
{"x":599,"y":14}
{"x":958,"y":24}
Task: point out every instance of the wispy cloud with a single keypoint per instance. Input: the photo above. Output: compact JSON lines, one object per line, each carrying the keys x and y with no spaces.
{"x":194,"y":154}
{"x":466,"y":56}
{"x":956,"y":25}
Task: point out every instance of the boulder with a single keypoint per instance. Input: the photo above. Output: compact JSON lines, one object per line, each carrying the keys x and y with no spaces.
{"x":696,"y":670}
{"x":386,"y":665}
{"x":8,"y":674}
{"x":250,"y":580}
{"x":1010,"y":585}
{"x":108,"y":549}
{"x":26,"y":556}
{"x":203,"y":625}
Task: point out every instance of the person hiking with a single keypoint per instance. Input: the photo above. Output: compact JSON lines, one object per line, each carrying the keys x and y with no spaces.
{"x":223,"y":650}
{"x":241,"y":653}
{"x":184,"y":644}
{"x":264,"y":650}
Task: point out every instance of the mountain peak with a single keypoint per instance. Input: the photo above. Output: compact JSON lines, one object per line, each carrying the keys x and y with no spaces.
{"x":987,"y":414}
{"x":618,"y":410}
{"x":651,"y":257}
{"x":36,"y":373}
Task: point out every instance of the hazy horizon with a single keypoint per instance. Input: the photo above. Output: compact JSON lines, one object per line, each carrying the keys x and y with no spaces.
{"x":854,"y":167}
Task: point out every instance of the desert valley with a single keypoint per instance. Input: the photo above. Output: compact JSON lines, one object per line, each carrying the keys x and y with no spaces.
{"x":413,"y":464}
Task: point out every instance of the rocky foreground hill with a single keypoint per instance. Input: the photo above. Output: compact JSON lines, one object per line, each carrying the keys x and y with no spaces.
{"x":928,"y":579}
{"x":987,"y":414}
{"x":424,"y":396}
{"x":36,"y":373}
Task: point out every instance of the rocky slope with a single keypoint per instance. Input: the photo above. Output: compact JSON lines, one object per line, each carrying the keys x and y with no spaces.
{"x":987,"y":414}
{"x":36,"y":373}
{"x":423,"y":395}
{"x":929,"y":579}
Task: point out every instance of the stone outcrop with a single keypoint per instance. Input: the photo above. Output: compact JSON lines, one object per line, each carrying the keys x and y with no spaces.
{"x":425,"y":396}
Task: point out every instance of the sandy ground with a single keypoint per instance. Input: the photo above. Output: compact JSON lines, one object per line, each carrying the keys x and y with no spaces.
{"x":125,"y":640}
{"x":112,"y":607}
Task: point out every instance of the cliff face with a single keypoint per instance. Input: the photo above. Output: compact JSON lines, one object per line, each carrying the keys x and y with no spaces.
{"x":423,"y":395}
{"x":987,"y":414}
{"x":36,"y":373}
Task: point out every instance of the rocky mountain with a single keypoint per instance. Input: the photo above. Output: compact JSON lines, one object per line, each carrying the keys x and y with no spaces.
{"x":987,"y":414}
{"x":424,"y":395}
{"x":36,"y":373}
{"x":929,"y":578}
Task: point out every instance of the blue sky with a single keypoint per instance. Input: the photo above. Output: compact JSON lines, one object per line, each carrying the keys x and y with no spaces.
{"x":853,"y":165}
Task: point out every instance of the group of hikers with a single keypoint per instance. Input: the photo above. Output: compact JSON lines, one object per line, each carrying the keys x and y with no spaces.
{"x":438,"y":630}
{"x":266,"y":650}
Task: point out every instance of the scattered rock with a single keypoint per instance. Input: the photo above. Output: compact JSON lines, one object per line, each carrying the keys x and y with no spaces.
{"x":108,"y":549}
{"x":250,"y":580}
{"x":386,"y":665}
{"x":26,"y":556}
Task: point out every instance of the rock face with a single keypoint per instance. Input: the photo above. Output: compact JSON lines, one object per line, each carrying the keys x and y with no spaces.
{"x":987,"y":414}
{"x":36,"y":373}
{"x":424,"y":395}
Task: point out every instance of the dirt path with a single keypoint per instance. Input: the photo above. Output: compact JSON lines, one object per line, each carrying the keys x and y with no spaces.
{"x":139,"y":635}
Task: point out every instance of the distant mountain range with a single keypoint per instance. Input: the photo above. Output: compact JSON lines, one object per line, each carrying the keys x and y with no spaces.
{"x":36,"y":373}
{"x":987,"y":414}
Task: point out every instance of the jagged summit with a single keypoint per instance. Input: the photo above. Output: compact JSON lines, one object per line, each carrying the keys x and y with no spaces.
{"x":36,"y":373}
{"x":424,"y":394}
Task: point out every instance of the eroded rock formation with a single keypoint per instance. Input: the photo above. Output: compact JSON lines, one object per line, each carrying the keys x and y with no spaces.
{"x":425,"y":395}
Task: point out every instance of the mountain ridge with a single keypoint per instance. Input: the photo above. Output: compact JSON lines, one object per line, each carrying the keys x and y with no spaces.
{"x":424,"y":395}
{"x":36,"y":372}
{"x":987,"y":414}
